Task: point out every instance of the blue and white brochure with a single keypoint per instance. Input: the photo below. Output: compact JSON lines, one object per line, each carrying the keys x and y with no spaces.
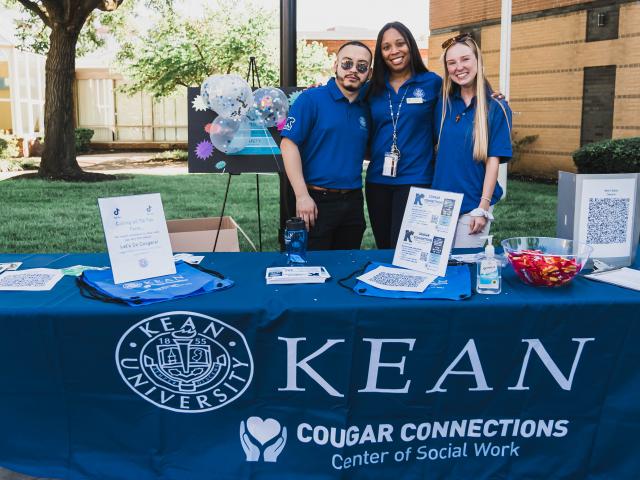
{"x":427,"y":231}
{"x":137,"y":238}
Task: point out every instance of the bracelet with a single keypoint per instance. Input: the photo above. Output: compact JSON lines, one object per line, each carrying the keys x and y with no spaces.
{"x":485,"y":198}
{"x":479,"y":212}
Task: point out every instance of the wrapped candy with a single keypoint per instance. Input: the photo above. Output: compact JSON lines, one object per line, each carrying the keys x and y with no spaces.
{"x":539,"y":269}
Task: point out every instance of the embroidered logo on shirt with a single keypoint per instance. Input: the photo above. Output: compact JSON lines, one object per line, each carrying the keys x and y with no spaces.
{"x":363,"y":123}
{"x":289,"y":124}
{"x":418,"y":92}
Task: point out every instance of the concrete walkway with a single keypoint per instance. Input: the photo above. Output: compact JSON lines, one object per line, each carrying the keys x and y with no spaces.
{"x":120,"y":162}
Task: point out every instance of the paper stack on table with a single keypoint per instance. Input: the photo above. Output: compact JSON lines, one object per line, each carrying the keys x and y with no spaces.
{"x":622,"y":277}
{"x":289,"y":275}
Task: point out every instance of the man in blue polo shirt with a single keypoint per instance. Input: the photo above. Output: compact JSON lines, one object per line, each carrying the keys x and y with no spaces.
{"x":323,"y":146}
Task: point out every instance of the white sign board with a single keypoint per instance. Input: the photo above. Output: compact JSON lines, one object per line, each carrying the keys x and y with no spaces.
{"x":137,"y":238}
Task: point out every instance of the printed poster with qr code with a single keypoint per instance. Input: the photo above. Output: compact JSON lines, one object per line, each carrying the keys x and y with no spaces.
{"x":607,"y":216}
{"x":427,"y":231}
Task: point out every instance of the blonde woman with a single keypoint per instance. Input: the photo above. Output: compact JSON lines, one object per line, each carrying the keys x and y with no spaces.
{"x":474,"y":137}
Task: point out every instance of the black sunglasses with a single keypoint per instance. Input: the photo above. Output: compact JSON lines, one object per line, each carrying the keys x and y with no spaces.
{"x":457,"y":39}
{"x":361,"y":67}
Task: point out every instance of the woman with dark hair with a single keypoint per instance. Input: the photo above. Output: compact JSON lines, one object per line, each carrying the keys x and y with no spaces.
{"x":402,"y":96}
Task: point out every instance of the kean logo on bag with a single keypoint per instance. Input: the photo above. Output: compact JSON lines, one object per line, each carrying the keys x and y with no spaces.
{"x":185,"y":362}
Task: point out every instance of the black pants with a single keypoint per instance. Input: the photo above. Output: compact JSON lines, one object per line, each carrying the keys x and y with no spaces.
{"x":386,"y":207}
{"x":340,"y":224}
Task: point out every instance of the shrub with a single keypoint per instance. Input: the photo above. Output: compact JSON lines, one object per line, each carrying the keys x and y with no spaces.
{"x":10,"y":165}
{"x":173,"y":155}
{"x":83,"y":139}
{"x":609,"y":156}
{"x":9,"y":146}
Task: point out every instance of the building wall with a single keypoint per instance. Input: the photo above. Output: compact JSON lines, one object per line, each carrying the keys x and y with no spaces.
{"x":334,"y":45}
{"x":548,"y":57}
{"x":447,"y":14}
{"x":117,"y":117}
{"x":5,"y":97}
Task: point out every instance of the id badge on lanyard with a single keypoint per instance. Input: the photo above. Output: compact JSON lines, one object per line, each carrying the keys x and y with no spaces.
{"x":390,"y":167}
{"x":391,"y":158}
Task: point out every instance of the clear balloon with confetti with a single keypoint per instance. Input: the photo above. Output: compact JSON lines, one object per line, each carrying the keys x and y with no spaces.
{"x":270,"y":106}
{"x":229,"y":96}
{"x":206,"y":87}
{"x":230,"y":136}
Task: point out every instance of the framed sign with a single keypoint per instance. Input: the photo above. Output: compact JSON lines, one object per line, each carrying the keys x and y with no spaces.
{"x":261,"y":155}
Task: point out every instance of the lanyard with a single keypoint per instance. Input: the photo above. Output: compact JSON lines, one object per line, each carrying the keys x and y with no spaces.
{"x":394,"y":121}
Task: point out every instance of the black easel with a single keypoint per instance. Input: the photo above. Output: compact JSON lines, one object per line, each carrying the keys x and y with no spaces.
{"x":255,"y":79}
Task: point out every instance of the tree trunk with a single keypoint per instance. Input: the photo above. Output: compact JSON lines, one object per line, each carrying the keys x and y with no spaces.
{"x":59,"y":155}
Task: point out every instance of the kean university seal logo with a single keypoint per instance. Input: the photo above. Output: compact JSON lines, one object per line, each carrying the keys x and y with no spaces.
{"x":185,"y":362}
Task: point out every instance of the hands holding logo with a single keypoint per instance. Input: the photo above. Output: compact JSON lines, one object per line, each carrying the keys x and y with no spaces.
{"x":257,"y":433}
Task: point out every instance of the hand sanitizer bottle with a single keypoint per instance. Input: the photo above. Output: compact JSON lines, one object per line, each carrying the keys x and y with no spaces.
{"x":489,"y":273}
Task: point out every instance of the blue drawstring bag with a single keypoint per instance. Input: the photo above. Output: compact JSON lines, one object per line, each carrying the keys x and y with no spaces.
{"x":456,"y":285}
{"x":188,"y":281}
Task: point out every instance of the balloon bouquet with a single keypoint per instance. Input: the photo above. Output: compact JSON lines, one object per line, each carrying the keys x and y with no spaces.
{"x":230,"y":96}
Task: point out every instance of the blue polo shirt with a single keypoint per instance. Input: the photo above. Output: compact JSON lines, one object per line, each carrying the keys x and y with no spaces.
{"x":332,"y":136}
{"x":456,"y":170}
{"x":415,"y":130}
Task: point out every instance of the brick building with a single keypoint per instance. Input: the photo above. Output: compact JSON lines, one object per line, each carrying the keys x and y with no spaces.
{"x":575,"y":70}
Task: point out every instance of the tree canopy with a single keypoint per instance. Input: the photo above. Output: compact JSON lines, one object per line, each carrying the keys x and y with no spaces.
{"x":175,"y":51}
{"x":184,"y":51}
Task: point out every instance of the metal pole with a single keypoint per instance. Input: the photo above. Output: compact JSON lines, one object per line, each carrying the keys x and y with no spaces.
{"x":505,"y":72}
{"x":288,"y":78}
{"x":288,"y":27}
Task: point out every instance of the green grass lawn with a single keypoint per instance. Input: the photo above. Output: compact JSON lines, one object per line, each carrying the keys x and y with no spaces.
{"x":43,"y":216}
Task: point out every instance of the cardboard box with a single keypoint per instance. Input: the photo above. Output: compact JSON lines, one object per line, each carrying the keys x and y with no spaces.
{"x":199,"y":234}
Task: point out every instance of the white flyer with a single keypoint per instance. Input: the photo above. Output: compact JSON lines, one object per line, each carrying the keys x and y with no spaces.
{"x":290,"y":275}
{"x":427,"y":231}
{"x":9,"y":266}
{"x":188,"y":258}
{"x":397,"y":279}
{"x":606,"y":216}
{"x":31,"y":280}
{"x":137,"y":238}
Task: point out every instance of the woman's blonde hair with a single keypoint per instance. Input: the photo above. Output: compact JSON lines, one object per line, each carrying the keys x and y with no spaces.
{"x":483,"y":90}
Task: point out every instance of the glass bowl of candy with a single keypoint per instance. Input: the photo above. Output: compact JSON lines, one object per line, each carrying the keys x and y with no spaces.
{"x":546,"y":261}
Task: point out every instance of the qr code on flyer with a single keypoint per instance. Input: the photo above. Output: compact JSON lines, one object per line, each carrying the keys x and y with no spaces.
{"x":25,"y":280}
{"x":397,"y":280}
{"x":607,"y":220}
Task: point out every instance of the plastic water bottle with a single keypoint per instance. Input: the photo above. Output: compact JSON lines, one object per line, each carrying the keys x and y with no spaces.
{"x":295,"y":241}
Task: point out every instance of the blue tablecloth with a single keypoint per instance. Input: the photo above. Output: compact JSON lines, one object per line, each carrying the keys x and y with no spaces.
{"x":315,"y":381}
